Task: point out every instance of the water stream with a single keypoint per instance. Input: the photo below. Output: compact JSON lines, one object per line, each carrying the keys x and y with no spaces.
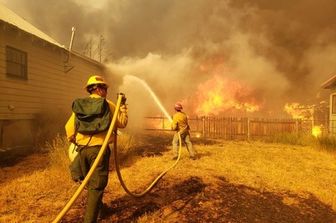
{"x":151,"y":92}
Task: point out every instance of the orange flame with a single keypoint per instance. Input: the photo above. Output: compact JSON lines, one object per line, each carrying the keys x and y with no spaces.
{"x":317,"y":131}
{"x":220,"y":94}
{"x":298,"y":111}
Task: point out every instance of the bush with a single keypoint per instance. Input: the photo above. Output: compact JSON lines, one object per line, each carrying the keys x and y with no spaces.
{"x":326,"y":142}
{"x":58,"y":152}
{"x":291,"y":138}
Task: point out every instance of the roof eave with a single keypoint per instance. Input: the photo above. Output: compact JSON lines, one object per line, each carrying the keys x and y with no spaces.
{"x":54,"y":44}
{"x":330,"y":83}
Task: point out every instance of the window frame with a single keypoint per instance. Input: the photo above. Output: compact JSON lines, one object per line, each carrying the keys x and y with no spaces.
{"x":20,"y":64}
{"x":333,"y":104}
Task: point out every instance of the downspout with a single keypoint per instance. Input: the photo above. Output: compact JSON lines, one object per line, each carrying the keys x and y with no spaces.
{"x":67,"y":64}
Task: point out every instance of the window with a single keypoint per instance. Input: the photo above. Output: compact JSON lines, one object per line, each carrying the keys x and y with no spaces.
{"x":333,"y":104}
{"x":16,"y":63}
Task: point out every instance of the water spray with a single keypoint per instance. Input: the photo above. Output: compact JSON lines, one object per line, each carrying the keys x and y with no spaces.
{"x":156,"y":99}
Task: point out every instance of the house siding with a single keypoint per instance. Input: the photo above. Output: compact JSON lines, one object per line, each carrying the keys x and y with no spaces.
{"x":47,"y":84}
{"x":48,"y":90}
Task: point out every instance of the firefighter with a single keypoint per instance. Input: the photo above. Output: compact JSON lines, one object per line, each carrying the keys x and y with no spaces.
{"x":180,"y":125}
{"x":89,"y":146}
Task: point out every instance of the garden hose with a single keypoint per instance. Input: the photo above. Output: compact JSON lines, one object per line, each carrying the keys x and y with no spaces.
{"x":149,"y":188}
{"x":94,"y":165}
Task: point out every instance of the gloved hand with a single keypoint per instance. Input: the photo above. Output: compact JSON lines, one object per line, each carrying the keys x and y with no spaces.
{"x":123,"y":98}
{"x":123,"y":108}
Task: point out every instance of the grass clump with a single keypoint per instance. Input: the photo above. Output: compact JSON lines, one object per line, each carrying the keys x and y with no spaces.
{"x":58,"y":152}
{"x":291,"y":139}
{"x":326,"y":143}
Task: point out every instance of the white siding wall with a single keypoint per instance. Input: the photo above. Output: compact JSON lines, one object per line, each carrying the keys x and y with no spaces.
{"x":48,"y":86}
{"x":41,"y":103}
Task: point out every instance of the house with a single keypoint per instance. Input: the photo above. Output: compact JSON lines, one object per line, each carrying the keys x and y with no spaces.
{"x":331,"y":85}
{"x":38,"y":82}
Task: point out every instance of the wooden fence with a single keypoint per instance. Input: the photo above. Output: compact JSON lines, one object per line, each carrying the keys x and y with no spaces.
{"x":236,"y":127}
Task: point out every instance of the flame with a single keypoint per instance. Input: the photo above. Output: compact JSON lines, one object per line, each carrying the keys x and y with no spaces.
{"x":317,"y":131}
{"x":211,"y":102}
{"x":298,"y":111}
{"x":221,"y":94}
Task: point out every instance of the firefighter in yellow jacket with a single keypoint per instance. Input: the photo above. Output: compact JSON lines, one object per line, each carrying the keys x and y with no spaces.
{"x":180,"y":125}
{"x":89,"y":146}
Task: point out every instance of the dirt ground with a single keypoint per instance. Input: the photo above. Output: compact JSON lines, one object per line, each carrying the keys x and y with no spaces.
{"x":194,"y":201}
{"x":198,"y":197}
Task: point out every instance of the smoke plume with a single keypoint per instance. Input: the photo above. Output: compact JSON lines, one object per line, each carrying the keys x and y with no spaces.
{"x":284,"y":50}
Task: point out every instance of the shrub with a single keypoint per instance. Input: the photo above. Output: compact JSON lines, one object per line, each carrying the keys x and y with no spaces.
{"x":291,"y":138}
{"x":326,"y":142}
{"x":58,"y":152}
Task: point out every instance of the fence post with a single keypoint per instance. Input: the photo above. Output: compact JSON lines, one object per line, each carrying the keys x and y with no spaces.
{"x":231,"y":129}
{"x":163,"y":122}
{"x":203,"y":127}
{"x":208,"y":127}
{"x":248,"y":128}
{"x":1,"y":133}
{"x":222,"y":127}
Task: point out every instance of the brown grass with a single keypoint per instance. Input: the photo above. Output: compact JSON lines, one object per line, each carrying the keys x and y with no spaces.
{"x":228,"y":176}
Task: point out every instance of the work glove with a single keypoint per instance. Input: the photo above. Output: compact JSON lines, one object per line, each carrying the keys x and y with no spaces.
{"x":123,"y":98}
{"x":123,"y":108}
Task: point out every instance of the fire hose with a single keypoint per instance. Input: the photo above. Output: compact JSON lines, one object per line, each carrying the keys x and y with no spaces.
{"x":98,"y":158}
{"x":149,"y":188}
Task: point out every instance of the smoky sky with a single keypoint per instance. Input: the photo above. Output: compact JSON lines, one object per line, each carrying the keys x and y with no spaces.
{"x":284,"y":49}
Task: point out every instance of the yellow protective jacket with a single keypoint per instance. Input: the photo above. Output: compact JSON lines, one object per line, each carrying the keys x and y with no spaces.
{"x":97,"y":139}
{"x":180,"y":122}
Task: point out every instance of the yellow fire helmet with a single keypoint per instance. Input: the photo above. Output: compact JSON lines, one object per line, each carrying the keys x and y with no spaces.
{"x":72,"y":153}
{"x":95,"y":79}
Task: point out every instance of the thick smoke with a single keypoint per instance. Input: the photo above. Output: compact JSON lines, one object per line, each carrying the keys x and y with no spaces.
{"x":168,"y":77}
{"x":283,"y":49}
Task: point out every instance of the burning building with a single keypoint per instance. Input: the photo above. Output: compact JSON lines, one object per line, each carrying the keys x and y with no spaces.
{"x":37,"y":79}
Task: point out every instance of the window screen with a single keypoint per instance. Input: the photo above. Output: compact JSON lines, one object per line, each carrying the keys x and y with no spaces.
{"x":16,"y":63}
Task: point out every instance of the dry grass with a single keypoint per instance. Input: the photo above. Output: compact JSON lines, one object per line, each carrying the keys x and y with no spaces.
{"x":38,"y":187}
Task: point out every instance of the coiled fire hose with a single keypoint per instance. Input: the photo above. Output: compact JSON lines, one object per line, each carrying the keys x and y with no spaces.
{"x":95,"y":163}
